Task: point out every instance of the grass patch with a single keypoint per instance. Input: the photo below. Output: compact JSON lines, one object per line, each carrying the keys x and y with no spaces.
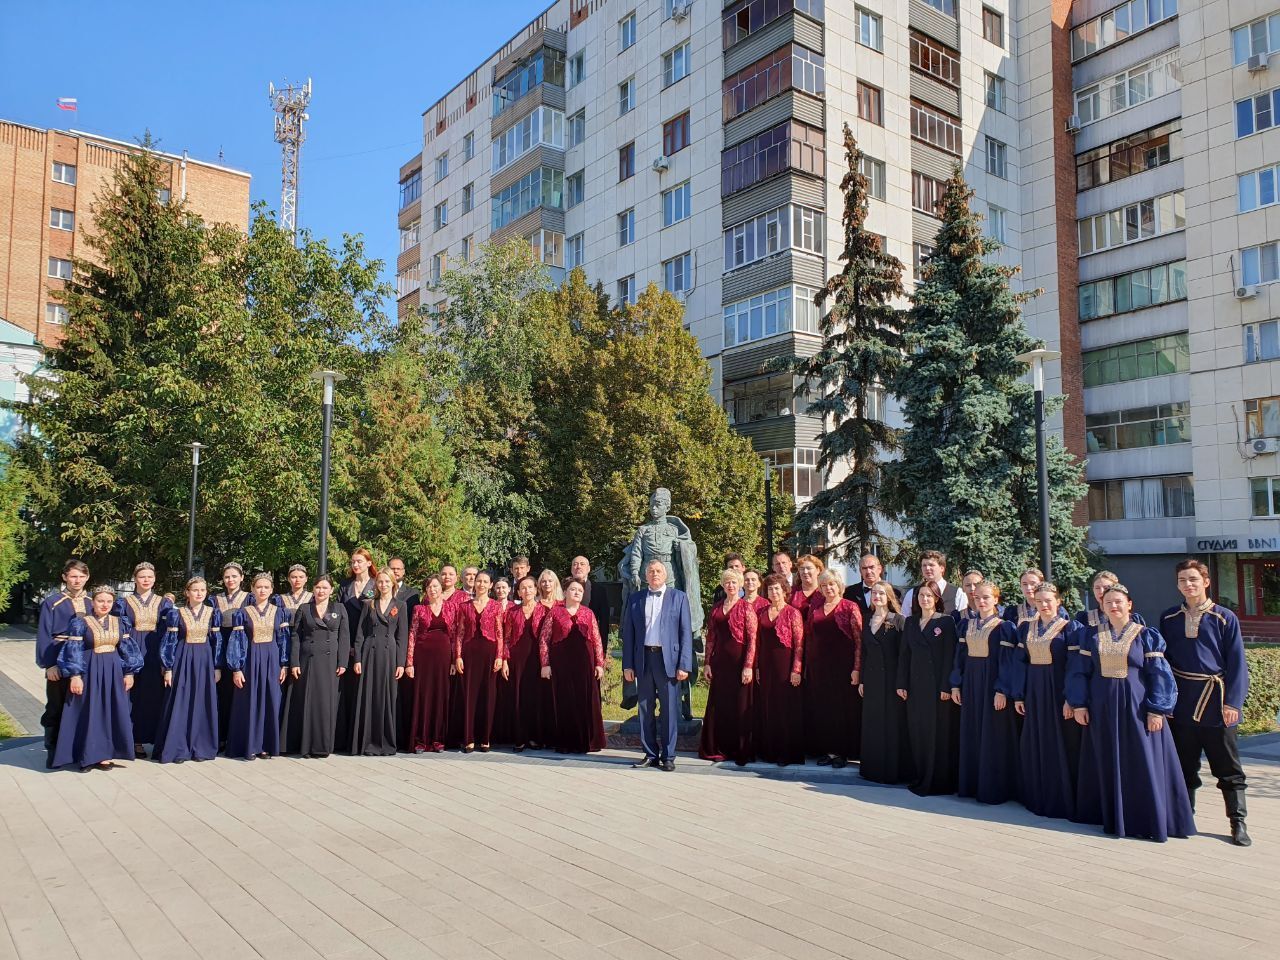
{"x":611,"y":688}
{"x":8,"y":728}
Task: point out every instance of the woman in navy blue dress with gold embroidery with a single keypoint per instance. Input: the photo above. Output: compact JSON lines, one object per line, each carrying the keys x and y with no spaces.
{"x":190,"y":654}
{"x":258,"y":657}
{"x":232,"y":598}
{"x":146,"y":612}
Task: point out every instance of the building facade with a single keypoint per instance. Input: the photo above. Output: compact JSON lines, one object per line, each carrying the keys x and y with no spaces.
{"x":49,"y":181}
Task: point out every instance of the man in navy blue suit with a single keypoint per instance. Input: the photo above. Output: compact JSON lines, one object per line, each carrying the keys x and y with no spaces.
{"x":657,"y":654}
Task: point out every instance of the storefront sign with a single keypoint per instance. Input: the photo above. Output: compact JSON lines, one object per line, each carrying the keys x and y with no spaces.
{"x":1232,"y":544}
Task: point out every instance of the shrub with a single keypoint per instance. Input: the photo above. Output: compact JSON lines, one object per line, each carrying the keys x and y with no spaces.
{"x":1263,"y":702}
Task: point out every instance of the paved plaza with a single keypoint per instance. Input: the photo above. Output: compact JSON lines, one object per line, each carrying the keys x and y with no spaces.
{"x":536,"y":857}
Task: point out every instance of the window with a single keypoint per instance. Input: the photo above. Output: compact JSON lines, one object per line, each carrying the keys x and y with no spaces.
{"x":574,"y":191}
{"x":1148,"y":287}
{"x":627,"y":290}
{"x":548,"y":247}
{"x":870,"y":29}
{"x":408,"y":280}
{"x":468,"y":146}
{"x":62,"y":219}
{"x":995,"y":92}
{"x":936,"y":128}
{"x":627,"y":162}
{"x":677,"y":204}
{"x":164,"y":194}
{"x":943,"y":6}
{"x":468,"y":198}
{"x":627,"y":227}
{"x":55,"y":313}
{"x":1262,"y":418}
{"x":64,"y":173}
{"x":627,"y":31}
{"x":1141,"y":427}
{"x":768,"y":314}
{"x":442,"y":214}
{"x":746,"y":17}
{"x":997,"y":158}
{"x":761,"y":398}
{"x":626,"y":96}
{"x":675,"y":134}
{"x":1262,"y":37}
{"x":677,"y":274}
{"x":1253,"y":190}
{"x":577,"y":69}
{"x":788,"y":227}
{"x":1118,"y":24}
{"x":1262,"y":341}
{"x":442,"y":166}
{"x":874,"y":171}
{"x":573,"y":251}
{"x":926,"y":193}
{"x":788,"y":146}
{"x":1259,"y":264}
{"x":1255,"y":114}
{"x":410,"y":188}
{"x":437,"y":267}
{"x":542,"y":126}
{"x":1147,"y":498}
{"x":1137,"y":360}
{"x":1264,"y":494}
{"x":933,"y":58}
{"x":1130,"y":88}
{"x":797,"y":469}
{"x":675,"y":64}
{"x":792,"y":67}
{"x":1130,"y":224}
{"x":1134,"y":154}
{"x":466,"y":249}
{"x":542,"y":66}
{"x":871,"y":103}
{"x":410,"y":235}
{"x":59,"y":268}
{"x":543,"y":187}
{"x":998,"y":223}
{"x":993,"y":26}
{"x":577,"y":128}
{"x":920,"y":254}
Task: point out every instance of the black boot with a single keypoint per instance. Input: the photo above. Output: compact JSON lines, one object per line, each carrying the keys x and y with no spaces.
{"x":1236,"y":812}
{"x":1239,"y":835}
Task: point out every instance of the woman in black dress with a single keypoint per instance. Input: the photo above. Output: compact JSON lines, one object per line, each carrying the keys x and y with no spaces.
{"x":319,"y":649}
{"x":352,"y":594}
{"x":381,"y":643}
{"x":924,"y":682}
{"x":886,"y":754}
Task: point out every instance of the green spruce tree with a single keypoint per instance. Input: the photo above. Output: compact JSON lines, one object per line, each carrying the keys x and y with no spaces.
{"x":861,"y":350}
{"x":966,"y":480}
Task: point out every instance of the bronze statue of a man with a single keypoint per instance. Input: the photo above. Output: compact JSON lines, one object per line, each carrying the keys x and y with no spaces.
{"x":667,"y":539}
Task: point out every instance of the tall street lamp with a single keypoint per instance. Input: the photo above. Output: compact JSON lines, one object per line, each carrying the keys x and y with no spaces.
{"x":768,"y":509}
{"x":329,"y":378}
{"x":1037,"y":360}
{"x":191,"y":521}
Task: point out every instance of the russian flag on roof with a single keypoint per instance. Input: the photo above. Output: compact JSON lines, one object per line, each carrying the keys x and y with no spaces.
{"x":66,"y":103}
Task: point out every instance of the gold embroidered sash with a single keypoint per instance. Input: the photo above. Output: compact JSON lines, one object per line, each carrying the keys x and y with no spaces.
{"x":264,"y":625}
{"x":1040,"y":645}
{"x":105,"y":637}
{"x":978,"y":637}
{"x":197,"y":627}
{"x":144,"y":615}
{"x":1113,"y":654}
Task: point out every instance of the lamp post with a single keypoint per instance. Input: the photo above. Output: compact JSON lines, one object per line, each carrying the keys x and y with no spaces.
{"x":329,"y":378}
{"x":191,"y":521}
{"x":768,"y":508}
{"x":1037,"y":360}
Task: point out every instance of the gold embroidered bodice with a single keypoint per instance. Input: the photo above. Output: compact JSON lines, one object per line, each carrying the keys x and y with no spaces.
{"x":228,"y":603}
{"x":1113,"y":651}
{"x":197,"y":628}
{"x":978,"y":637}
{"x":291,"y":603}
{"x":1026,"y":612}
{"x":1095,"y":618}
{"x":1040,"y":645}
{"x":1191,"y":618}
{"x":263,"y":624}
{"x":144,"y":615}
{"x":105,"y":637}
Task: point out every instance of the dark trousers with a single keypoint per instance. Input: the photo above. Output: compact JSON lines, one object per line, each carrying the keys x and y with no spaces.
{"x":1220,"y":746}
{"x":655,"y":688}
{"x":55,"y":696}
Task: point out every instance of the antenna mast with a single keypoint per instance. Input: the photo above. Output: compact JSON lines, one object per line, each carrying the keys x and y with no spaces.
{"x":290,"y":106}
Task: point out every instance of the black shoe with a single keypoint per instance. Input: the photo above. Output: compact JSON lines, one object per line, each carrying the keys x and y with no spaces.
{"x":470,"y":749}
{"x":838,"y":763}
{"x":483,"y":748}
{"x":825,"y":761}
{"x":668,"y":765}
{"x":645,"y":762}
{"x":518,"y":748}
{"x":1239,"y":835}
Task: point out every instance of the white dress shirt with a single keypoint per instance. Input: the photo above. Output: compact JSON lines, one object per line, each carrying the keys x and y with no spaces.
{"x":652,"y":610}
{"x":962,"y":598}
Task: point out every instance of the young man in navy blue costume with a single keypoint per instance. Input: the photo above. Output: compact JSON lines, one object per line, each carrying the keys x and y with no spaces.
{"x":57,"y":611}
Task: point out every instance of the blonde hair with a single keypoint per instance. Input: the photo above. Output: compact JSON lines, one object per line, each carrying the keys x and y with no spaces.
{"x":993,"y":587}
{"x":558,"y":593}
{"x":728,"y":573}
{"x":830,"y":576}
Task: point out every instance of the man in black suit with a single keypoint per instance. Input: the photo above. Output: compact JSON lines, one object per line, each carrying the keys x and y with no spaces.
{"x":872,"y":571}
{"x":596,"y":600}
{"x":403,"y":590}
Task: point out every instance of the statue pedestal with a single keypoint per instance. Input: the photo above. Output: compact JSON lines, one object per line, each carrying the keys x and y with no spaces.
{"x":626,"y":735}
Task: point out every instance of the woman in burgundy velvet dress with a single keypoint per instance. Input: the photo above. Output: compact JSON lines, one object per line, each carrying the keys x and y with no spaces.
{"x":729,"y":668}
{"x":780,"y":661}
{"x":752,"y":591}
{"x":833,"y":659}
{"x":572,"y":655}
{"x":806,"y":595}
{"x":518,"y":702}
{"x":479,"y":655}
{"x":429,"y":662}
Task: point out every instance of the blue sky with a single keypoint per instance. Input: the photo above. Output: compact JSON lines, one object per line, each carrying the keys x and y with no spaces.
{"x":196,"y":75}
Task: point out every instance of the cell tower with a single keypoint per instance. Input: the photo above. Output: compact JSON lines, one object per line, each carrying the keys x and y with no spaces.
{"x":290,"y":106}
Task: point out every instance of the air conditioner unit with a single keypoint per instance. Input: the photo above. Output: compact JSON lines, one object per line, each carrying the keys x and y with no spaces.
{"x":1246,"y":293}
{"x":1074,"y":123}
{"x":680,"y":9}
{"x":661,"y":164}
{"x":1258,"y":62}
{"x":1265,"y":445}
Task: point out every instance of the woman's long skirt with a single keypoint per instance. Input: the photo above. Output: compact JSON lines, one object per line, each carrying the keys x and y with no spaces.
{"x":988,"y":737}
{"x":779,"y":707}
{"x":933,"y":732}
{"x":147,"y":695}
{"x":432,"y":656}
{"x":832,"y":708}
{"x":255,"y":708}
{"x":518,"y":720}
{"x":479,"y":690}
{"x":727,"y":727}
{"x":1048,"y":786}
{"x":575,"y":697}
{"x":96,"y":725}
{"x":886,"y":752}
{"x":375,"y":715}
{"x":189,"y":724}
{"x":311,"y":710}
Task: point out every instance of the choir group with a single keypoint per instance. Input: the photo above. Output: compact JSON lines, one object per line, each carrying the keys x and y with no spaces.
{"x":1099,"y":718}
